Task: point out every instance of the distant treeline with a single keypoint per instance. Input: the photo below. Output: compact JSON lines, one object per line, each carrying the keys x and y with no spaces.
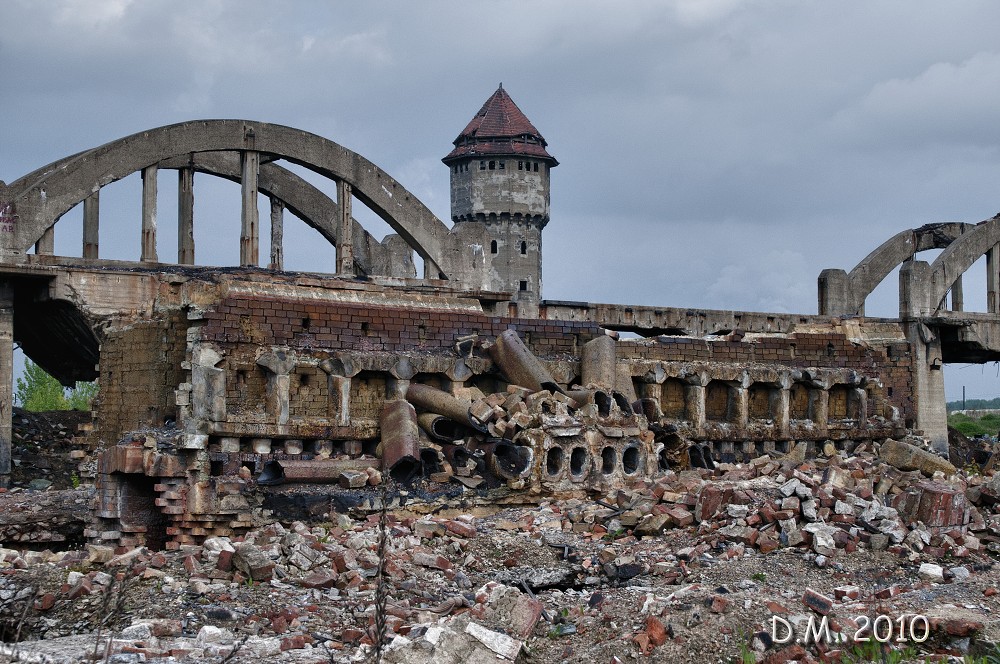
{"x":974,"y":404}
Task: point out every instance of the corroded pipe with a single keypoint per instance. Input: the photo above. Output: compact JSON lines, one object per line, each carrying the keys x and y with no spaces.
{"x":437,"y":401}
{"x":599,"y":362}
{"x":440,"y":429}
{"x":519,"y":365}
{"x":503,"y":458}
{"x":400,"y":440}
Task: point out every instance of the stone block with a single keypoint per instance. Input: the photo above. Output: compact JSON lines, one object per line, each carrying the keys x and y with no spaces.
{"x":909,"y":457}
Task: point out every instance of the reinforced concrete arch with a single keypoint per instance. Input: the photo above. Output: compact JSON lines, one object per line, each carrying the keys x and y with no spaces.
{"x":40,"y":198}
{"x":302,"y":199}
{"x":960,"y":255}
{"x":844,"y":293}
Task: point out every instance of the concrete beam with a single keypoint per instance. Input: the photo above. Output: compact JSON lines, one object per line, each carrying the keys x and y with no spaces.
{"x":47,"y":243}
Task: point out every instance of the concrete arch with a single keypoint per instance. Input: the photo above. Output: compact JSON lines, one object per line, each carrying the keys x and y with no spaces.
{"x":845,"y":293}
{"x":960,"y":255}
{"x":40,"y":198}
{"x":300,"y":198}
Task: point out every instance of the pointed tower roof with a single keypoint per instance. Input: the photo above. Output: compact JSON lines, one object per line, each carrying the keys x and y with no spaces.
{"x":500,"y":128}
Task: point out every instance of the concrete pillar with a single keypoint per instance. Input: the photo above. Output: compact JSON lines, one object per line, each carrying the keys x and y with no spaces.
{"x":185,"y":216}
{"x":277,"y":234}
{"x":250,"y":218}
{"x":928,"y":385}
{"x":780,"y":408}
{"x":957,"y":298}
{"x":914,"y":290}
{"x":819,"y":408}
{"x":834,"y":293}
{"x":860,"y":397}
{"x":740,"y":405}
{"x":149,"y":213}
{"x":91,"y":223}
{"x":694,"y":405}
{"x":992,"y":279}
{"x":46,"y":245}
{"x":6,"y":378}
{"x":340,"y":398}
{"x":345,"y":245}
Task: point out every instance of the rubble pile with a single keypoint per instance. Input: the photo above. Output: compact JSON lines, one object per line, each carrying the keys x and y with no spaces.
{"x":47,"y":449}
{"x":690,"y":565}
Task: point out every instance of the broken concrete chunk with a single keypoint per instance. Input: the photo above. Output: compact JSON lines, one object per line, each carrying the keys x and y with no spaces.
{"x":909,"y":457}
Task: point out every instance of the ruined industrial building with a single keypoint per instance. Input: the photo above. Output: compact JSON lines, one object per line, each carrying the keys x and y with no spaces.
{"x":229,"y":395}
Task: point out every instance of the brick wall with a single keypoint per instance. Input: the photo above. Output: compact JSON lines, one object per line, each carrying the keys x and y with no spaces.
{"x":140,"y":369}
{"x":310,"y":325}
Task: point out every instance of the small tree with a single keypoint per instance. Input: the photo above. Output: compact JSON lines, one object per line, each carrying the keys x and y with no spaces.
{"x":37,"y":390}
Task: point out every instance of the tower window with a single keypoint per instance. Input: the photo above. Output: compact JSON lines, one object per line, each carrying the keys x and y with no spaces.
{"x":466,"y":167}
{"x":482,"y":165}
{"x":493,"y":246}
{"x":520,"y":165}
{"x":536,"y":166}
{"x":493,"y":165}
{"x":503,"y":165}
{"x":524,"y":247}
{"x":524,"y":286}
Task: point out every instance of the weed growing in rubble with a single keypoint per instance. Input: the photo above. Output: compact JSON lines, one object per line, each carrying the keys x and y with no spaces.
{"x":873,"y":651}
{"x":759,"y":577}
{"x":112,"y":608}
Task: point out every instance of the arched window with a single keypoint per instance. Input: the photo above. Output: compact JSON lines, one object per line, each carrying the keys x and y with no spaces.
{"x":524,"y":247}
{"x":493,"y":246}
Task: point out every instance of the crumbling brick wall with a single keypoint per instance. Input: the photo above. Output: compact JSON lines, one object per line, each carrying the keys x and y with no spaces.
{"x":140,"y":369}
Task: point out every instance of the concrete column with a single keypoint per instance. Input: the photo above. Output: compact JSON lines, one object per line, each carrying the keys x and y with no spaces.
{"x":740,"y":415}
{"x":340,"y":398}
{"x":860,"y":397}
{"x":250,"y":218}
{"x":914,"y":289}
{"x":992,"y":279}
{"x":91,"y":222}
{"x":149,"y":213}
{"x":46,"y":245}
{"x":694,"y":405}
{"x":185,"y":216}
{"x":928,"y":385}
{"x":277,"y":234}
{"x":6,"y":378}
{"x":834,"y":293}
{"x":957,"y":298}
{"x":820,"y":409}
{"x":780,"y":408}
{"x":345,"y":246}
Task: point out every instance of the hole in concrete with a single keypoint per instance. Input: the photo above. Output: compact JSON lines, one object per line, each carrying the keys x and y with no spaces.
{"x":273,"y":473}
{"x":608,"y":458}
{"x":215,"y":468}
{"x":577,"y":460}
{"x":603,"y":401}
{"x":630,"y":460}
{"x":368,"y":447}
{"x":554,"y":461}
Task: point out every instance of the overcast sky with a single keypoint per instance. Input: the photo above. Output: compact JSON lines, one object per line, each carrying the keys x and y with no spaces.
{"x":713,"y":153}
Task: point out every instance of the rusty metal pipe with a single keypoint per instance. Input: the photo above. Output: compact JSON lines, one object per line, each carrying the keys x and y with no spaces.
{"x":440,"y":429}
{"x":457,"y":455}
{"x":439,"y":402}
{"x":400,"y":440}
{"x":519,"y":365}
{"x":599,"y":362}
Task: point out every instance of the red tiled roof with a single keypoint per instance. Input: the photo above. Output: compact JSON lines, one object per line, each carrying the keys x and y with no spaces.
{"x":500,"y":128}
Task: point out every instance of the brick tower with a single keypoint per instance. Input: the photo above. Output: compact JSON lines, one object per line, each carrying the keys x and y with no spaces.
{"x":500,"y":181}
